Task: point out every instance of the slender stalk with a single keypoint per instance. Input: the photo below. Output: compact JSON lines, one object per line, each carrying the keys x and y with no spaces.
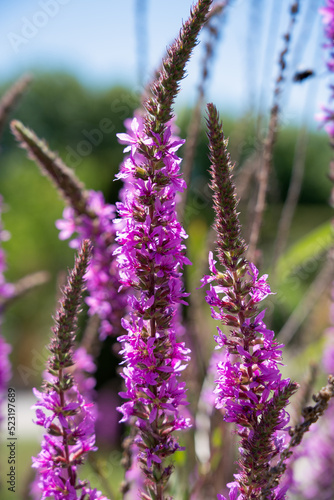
{"x":270,"y":141}
{"x":213,"y":28}
{"x":291,"y":201}
{"x":24,"y":285}
{"x":298,"y":167}
{"x":311,"y":297}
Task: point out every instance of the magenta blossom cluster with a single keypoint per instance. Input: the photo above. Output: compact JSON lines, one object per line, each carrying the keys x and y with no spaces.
{"x":261,"y":359}
{"x":249,"y":375}
{"x":61,"y":409}
{"x":104,"y":297}
{"x":134,"y":130}
{"x":70,"y":417}
{"x":6,"y":291}
{"x":84,"y":368}
{"x":5,"y":371}
{"x":150,"y":258}
{"x":328,"y":20}
{"x":82,"y":424}
{"x":326,"y":116}
{"x":82,"y":372}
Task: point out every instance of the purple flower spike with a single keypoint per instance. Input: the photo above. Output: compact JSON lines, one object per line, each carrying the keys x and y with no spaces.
{"x":6,"y":291}
{"x":250,"y":389}
{"x":150,"y":256}
{"x":63,"y":412}
{"x":5,"y":370}
{"x":327,"y":114}
{"x":150,"y":259}
{"x":104,"y":297}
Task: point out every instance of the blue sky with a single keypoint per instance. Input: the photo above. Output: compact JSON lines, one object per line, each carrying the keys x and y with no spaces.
{"x":96,"y":41}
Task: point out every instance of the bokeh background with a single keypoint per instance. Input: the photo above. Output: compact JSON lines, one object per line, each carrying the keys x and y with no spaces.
{"x":90,"y":61}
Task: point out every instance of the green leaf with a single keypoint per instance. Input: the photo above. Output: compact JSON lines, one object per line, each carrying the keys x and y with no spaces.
{"x":306,"y":248}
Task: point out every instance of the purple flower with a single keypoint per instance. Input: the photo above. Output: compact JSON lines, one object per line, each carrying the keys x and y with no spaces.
{"x":233,"y":493}
{"x":5,"y":370}
{"x":327,"y":114}
{"x":6,"y":291}
{"x":133,"y":475}
{"x":84,"y":367}
{"x":328,"y":20}
{"x":107,"y":427}
{"x":150,"y":259}
{"x":61,"y":409}
{"x":70,"y":435}
{"x":104,"y":295}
